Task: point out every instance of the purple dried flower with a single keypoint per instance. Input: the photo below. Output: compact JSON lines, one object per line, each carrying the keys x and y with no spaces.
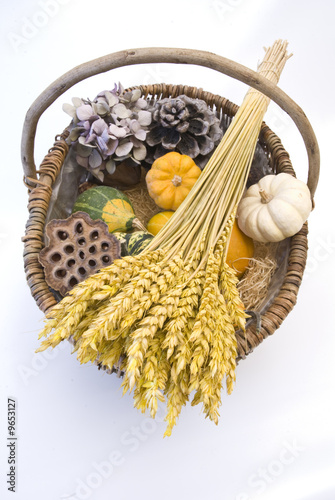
{"x":109,"y":129}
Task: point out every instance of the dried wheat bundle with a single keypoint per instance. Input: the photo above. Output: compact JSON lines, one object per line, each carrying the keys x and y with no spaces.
{"x":170,"y":313}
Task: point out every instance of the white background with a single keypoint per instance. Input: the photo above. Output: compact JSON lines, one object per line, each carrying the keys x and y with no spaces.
{"x":77,"y":436}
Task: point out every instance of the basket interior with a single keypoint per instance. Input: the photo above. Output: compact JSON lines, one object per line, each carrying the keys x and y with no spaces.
{"x":289,"y":255}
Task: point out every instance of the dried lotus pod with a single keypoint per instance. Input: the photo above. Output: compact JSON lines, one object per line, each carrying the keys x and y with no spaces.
{"x":77,"y":248}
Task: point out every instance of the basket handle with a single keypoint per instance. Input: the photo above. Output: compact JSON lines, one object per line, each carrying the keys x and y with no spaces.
{"x":176,"y":56}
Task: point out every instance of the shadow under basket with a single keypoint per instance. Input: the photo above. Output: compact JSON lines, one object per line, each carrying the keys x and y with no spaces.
{"x":290,"y":255}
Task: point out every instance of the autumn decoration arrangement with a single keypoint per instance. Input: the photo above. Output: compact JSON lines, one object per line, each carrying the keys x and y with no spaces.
{"x":159,"y":298}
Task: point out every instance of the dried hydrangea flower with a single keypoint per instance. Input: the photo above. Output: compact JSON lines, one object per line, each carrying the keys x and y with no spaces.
{"x":109,"y":129}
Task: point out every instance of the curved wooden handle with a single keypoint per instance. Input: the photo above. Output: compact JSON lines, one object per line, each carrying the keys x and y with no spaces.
{"x":175,"y":56}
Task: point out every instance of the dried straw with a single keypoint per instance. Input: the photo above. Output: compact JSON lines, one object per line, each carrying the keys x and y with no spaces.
{"x":254,"y":285}
{"x":143,"y":204}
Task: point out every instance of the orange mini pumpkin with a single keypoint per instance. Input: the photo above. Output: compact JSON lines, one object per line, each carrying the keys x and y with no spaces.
{"x":170,"y":179}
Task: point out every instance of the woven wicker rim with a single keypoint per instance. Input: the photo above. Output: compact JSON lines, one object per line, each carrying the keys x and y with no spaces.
{"x":39,"y":198}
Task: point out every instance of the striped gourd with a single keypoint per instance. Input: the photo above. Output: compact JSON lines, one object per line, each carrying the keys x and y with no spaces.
{"x":133,"y":243}
{"x":110,"y":205}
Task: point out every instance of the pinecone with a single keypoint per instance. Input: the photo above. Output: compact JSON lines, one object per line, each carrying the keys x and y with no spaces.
{"x":185,"y":125}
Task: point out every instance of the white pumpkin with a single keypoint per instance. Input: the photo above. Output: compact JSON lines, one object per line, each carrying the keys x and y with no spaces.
{"x":275,"y":208}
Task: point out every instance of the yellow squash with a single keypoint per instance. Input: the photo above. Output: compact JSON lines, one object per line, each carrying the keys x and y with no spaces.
{"x":156,"y":222}
{"x":240,"y":250}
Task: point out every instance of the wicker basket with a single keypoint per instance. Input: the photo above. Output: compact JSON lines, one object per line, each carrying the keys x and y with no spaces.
{"x":40,"y":183}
